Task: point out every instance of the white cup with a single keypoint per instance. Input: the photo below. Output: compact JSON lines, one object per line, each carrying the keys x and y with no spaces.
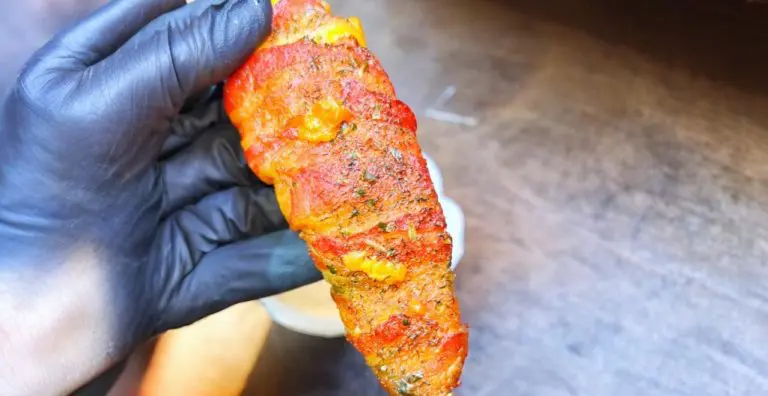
{"x":310,"y":309}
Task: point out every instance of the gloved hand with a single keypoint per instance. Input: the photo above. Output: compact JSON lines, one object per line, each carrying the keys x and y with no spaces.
{"x":119,"y":217}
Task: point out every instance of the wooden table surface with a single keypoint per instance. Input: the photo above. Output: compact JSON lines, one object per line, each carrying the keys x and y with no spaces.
{"x":616,"y":191}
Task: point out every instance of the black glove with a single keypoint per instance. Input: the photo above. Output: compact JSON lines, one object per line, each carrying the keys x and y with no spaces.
{"x":107,"y":191}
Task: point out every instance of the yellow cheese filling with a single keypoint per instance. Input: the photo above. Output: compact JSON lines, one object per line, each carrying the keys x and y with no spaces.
{"x":323,"y":122}
{"x":329,"y":33}
{"x":380,"y":270}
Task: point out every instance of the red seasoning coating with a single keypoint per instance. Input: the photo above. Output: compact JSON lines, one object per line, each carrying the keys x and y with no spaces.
{"x":320,"y":120}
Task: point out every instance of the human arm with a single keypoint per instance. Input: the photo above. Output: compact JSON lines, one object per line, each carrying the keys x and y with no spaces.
{"x":114,"y":226}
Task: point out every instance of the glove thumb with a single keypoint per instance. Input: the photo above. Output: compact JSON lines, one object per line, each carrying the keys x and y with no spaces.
{"x":180,"y":54}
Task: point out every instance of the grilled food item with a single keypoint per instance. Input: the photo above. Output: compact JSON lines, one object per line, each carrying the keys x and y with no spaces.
{"x":320,"y":120}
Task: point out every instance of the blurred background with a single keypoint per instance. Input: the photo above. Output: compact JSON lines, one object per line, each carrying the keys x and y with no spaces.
{"x":611,"y":158}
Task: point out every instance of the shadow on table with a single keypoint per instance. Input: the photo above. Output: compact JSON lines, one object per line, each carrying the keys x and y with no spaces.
{"x":723,"y":40}
{"x":293,"y":364}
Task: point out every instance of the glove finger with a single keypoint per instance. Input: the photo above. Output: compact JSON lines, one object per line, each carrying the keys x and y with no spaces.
{"x":212,"y":163}
{"x":219,"y":219}
{"x":243,"y":271}
{"x":105,"y":30}
{"x":189,"y":126}
{"x":177,"y":55}
{"x":205,"y":97}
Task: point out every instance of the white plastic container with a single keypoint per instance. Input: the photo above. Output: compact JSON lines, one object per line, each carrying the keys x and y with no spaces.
{"x":310,"y":309}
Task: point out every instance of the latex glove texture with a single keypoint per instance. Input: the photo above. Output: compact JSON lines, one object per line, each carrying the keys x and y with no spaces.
{"x":107,"y":188}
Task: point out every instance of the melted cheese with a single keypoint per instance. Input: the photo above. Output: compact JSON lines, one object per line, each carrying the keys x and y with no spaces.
{"x":329,"y":33}
{"x":323,"y":122}
{"x":337,"y":29}
{"x":380,"y":270}
{"x":416,"y":308}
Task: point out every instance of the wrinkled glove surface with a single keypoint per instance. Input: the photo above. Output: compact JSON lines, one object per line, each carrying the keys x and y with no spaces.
{"x":102,"y":164}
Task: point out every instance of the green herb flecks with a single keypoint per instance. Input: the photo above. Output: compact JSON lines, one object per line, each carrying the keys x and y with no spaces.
{"x":352,"y":158}
{"x":348,"y":127}
{"x":414,"y":377}
{"x":363,"y":68}
{"x":405,"y":385}
{"x":368,"y":176}
{"x":396,"y":154}
{"x":411,"y":231}
{"x":337,"y":289}
{"x":404,"y":388}
{"x":314,"y":64}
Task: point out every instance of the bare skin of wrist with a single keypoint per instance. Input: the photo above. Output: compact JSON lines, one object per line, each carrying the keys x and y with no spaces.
{"x":54,"y":327}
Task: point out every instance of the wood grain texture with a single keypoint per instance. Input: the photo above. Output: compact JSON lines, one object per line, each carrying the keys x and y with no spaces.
{"x":616,"y":192}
